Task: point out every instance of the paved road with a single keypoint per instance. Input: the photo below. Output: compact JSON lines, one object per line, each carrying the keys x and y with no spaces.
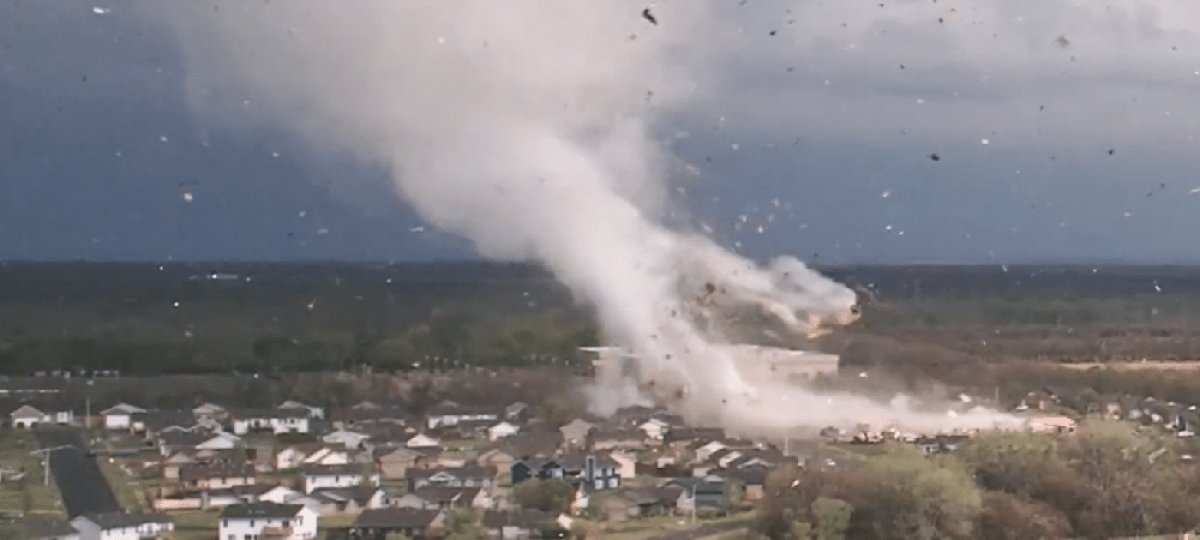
{"x":79,"y":479}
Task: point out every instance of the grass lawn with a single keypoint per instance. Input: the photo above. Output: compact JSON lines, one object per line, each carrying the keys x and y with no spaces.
{"x":196,"y":525}
{"x":639,"y":529}
{"x":129,"y":490}
{"x":29,"y":495}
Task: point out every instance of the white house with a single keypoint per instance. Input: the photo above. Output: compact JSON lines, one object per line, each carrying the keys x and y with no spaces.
{"x":276,"y":421}
{"x":220,"y":441}
{"x":349,"y":439}
{"x":449,"y":414}
{"x":279,"y":495}
{"x":121,"y":526}
{"x":423,"y":441}
{"x":263,"y":520}
{"x":502,"y":430}
{"x":313,"y":411}
{"x":120,"y":416}
{"x":209,"y":411}
{"x":26,"y":416}
{"x":654,"y":428}
{"x":336,"y":476}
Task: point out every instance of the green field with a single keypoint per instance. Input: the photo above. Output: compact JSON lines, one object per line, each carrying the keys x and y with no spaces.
{"x":29,"y":495}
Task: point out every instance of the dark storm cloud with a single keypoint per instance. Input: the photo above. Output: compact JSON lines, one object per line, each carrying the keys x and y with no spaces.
{"x":79,"y":87}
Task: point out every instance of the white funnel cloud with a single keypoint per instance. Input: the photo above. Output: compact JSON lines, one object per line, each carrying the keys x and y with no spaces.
{"x":523,"y":126}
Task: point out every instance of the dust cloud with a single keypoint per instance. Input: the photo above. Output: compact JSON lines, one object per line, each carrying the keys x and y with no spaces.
{"x":525,"y":127}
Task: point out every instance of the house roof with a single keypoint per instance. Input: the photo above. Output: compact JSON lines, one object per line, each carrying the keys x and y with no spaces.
{"x":47,"y":527}
{"x":205,"y":471}
{"x":392,"y":518}
{"x":348,"y":469}
{"x":359,"y":494}
{"x":122,"y":408}
{"x":467,"y":471}
{"x":438,"y":494}
{"x":530,"y":444}
{"x":261,"y":511}
{"x":268,"y":414}
{"x":293,"y":404}
{"x":118,"y":520}
{"x":27,"y":411}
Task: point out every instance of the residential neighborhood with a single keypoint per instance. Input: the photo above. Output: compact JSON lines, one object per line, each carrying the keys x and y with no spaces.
{"x":374,"y":468}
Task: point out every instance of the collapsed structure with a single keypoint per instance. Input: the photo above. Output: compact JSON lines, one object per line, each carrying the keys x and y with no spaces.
{"x":753,"y":362}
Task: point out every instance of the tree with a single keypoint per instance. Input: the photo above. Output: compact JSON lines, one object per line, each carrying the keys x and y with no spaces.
{"x":465,"y":525}
{"x":905,"y":496}
{"x":546,"y":495}
{"x":557,"y":412}
{"x":831,"y":517}
{"x":1008,"y":517}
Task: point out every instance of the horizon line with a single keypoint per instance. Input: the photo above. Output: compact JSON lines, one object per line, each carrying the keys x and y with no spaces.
{"x":415,"y":262}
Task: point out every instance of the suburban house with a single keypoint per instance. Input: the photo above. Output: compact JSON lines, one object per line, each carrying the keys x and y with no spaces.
{"x":291,"y":457}
{"x":702,"y":494}
{"x":457,"y":477}
{"x":502,"y":430}
{"x":617,"y":439}
{"x":220,"y":441}
{"x":48,"y":529}
{"x":654,"y":428}
{"x":350,"y":500}
{"x":421,"y":440}
{"x":26,"y":416}
{"x":590,"y":472}
{"x":449,"y":414}
{"x":275,"y":421}
{"x":576,"y":432}
{"x":170,"y":465}
{"x":209,"y":411}
{"x":349,"y":439}
{"x":517,"y":413}
{"x":518,"y":524}
{"x":120,"y":416}
{"x":394,"y":463}
{"x":121,"y":526}
{"x":267,"y":520}
{"x":336,"y":476}
{"x":444,"y":498}
{"x":316,"y":413}
{"x":377,"y":524}
{"x":196,"y":476}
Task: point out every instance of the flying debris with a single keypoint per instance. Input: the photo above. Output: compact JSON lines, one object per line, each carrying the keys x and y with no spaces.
{"x":101,"y":11}
{"x":649,"y":16}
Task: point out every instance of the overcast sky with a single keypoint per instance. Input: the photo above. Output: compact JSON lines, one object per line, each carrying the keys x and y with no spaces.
{"x":1063,"y":130}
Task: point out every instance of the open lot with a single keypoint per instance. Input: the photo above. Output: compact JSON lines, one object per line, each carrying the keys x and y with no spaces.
{"x":28,"y":495}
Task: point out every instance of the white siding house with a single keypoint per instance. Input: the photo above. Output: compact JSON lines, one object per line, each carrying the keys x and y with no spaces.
{"x":120,"y":416}
{"x":336,"y":476}
{"x":261,"y":520}
{"x":27,"y":416}
{"x":276,"y":421}
{"x":121,"y":526}
{"x":502,"y":430}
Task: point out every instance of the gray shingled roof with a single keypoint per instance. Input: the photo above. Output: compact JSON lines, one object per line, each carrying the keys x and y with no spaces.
{"x":261,"y":511}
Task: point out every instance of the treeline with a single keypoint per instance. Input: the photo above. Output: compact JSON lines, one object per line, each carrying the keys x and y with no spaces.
{"x":1107,"y":481}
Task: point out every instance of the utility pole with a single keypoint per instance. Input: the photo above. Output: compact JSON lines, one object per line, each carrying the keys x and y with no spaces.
{"x":45,"y":452}
{"x":694,"y":484}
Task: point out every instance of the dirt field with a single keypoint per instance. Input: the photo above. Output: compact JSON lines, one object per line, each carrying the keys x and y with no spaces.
{"x":1128,"y":366}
